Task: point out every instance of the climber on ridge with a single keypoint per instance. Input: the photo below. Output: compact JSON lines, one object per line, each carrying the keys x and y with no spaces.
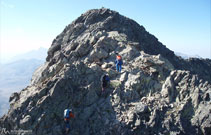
{"x":118,"y":62}
{"x":67,"y":115}
{"x":104,"y":82}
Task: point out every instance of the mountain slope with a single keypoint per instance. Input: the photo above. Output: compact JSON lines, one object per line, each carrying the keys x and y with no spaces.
{"x":156,"y":93}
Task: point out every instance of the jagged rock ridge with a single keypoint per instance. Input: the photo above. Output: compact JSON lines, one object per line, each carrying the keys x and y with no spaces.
{"x":157,"y":92}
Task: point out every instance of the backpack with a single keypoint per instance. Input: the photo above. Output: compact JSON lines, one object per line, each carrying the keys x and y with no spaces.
{"x":119,"y":57}
{"x":67,"y":113}
{"x":105,"y":78}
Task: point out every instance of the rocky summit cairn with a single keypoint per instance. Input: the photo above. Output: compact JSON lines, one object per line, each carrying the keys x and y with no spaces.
{"x":156,"y":92}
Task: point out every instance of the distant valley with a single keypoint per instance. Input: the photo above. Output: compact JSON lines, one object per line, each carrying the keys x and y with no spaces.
{"x":16,"y":73}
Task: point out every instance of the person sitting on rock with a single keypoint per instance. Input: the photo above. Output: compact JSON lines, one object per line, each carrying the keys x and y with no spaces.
{"x":67,"y":116}
{"x":104,"y":82}
{"x":118,"y":62}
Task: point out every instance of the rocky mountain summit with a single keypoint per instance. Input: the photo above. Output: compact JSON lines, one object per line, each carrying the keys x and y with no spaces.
{"x":156,"y":92}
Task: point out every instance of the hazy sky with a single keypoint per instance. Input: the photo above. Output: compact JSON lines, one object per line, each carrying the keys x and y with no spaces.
{"x":182,"y":25}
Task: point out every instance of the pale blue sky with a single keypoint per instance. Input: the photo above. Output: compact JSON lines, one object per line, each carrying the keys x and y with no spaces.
{"x":182,"y":25}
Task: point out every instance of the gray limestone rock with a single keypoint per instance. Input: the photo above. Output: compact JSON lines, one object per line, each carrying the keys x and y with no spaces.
{"x":155,"y":93}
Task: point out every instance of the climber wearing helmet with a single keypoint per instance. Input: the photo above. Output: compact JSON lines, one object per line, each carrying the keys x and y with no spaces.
{"x":118,"y":62}
{"x":67,"y":115}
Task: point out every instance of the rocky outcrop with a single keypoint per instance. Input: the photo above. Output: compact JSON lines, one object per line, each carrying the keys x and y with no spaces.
{"x":156,"y":92}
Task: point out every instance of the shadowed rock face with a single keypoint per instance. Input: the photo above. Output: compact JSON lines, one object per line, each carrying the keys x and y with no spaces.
{"x":156,"y":92}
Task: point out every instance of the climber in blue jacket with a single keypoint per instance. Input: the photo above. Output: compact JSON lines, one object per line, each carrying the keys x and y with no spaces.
{"x":118,"y":62}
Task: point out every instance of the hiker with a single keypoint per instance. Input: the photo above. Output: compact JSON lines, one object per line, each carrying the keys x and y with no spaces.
{"x":67,"y":115}
{"x":104,"y":82}
{"x":118,"y":63}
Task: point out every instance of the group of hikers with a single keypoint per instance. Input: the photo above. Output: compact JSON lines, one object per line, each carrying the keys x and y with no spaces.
{"x":105,"y":78}
{"x":68,"y":114}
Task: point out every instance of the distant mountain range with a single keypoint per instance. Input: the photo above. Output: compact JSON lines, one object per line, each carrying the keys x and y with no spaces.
{"x":16,"y":74}
{"x":186,"y":56}
{"x":39,"y":54}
